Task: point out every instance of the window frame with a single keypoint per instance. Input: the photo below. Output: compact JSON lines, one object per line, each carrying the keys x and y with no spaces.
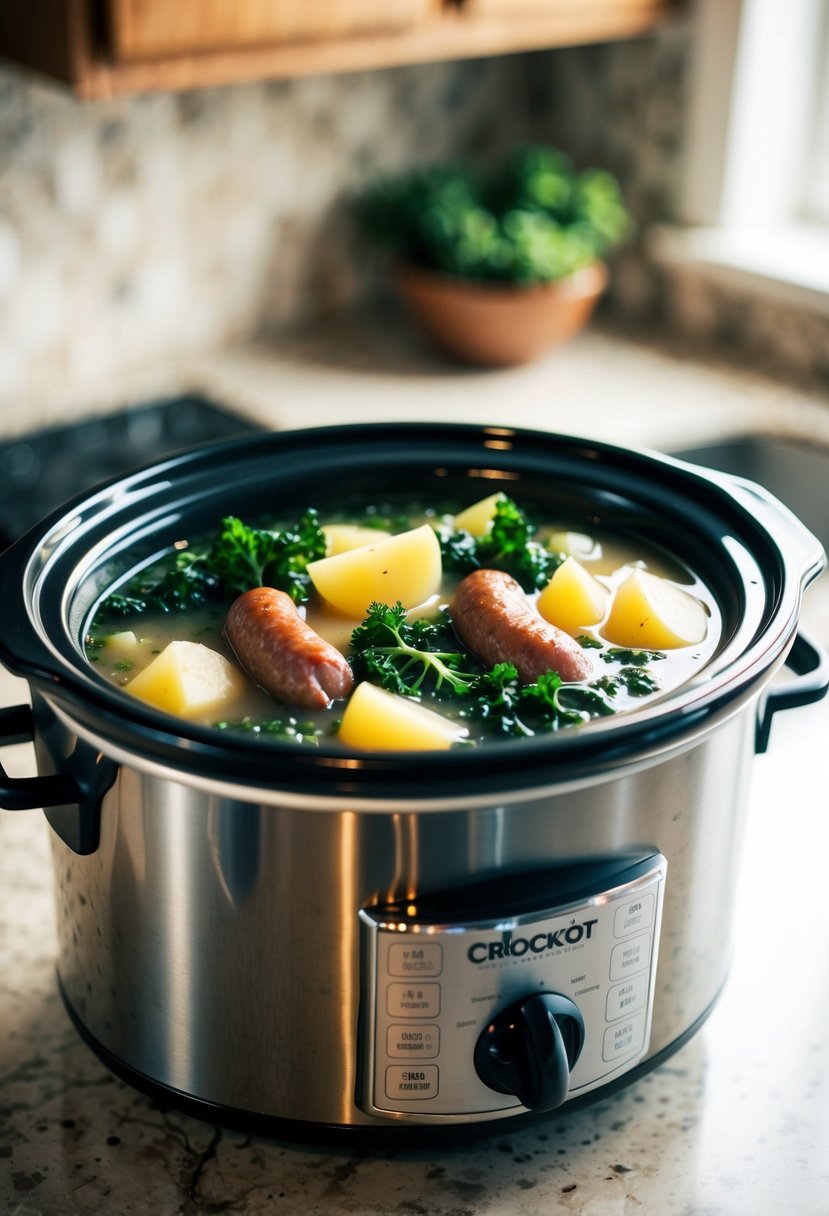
{"x":750,"y":215}
{"x":816,"y":186}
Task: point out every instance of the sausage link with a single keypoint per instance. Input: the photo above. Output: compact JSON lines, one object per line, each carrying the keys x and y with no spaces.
{"x":282,"y":653}
{"x":493,"y":618}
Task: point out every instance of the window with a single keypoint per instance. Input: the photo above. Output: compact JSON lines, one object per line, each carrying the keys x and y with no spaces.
{"x":816,"y":194}
{"x":756,"y":198}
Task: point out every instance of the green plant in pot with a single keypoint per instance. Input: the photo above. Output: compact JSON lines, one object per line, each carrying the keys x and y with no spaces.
{"x":499,"y":268}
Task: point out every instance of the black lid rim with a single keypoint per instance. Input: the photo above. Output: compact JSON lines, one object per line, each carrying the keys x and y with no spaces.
{"x":40,"y":573}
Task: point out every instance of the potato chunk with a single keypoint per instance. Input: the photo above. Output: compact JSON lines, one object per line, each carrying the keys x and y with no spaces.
{"x":478,"y":518}
{"x":377,"y":720}
{"x":188,"y":679}
{"x":342,"y":537}
{"x":406,"y":567}
{"x":122,"y":645}
{"x":573,"y":599}
{"x":650,"y":612}
{"x":575,"y":544}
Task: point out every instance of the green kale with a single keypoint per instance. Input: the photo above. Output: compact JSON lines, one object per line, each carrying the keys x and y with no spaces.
{"x":409,"y":656}
{"x":588,"y":643}
{"x":633,"y":675}
{"x":638,"y":681}
{"x":458,"y":549}
{"x":633,"y":658}
{"x":243,"y":557}
{"x":291,"y":729}
{"x":496,"y":698}
{"x":239,"y":558}
{"x":499,"y":699}
{"x":508,"y":545}
{"x":532,"y":218}
{"x":406,"y":656}
{"x":561,"y":704}
{"x":124,"y":605}
{"x":183,"y":581}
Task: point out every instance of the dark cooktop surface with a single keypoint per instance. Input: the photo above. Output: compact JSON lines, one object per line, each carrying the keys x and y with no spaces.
{"x":41,"y":470}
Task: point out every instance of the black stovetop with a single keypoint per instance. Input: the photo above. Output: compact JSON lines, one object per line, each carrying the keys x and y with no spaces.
{"x":41,"y":470}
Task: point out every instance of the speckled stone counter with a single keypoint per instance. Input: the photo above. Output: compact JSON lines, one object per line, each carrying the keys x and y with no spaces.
{"x":735,"y":1124}
{"x":370,"y":366}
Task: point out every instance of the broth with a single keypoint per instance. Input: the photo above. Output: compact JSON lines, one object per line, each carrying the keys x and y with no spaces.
{"x":607,"y":555}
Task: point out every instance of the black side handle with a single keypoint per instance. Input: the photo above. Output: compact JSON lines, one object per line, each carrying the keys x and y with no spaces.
{"x":30,"y":793}
{"x":70,"y":799}
{"x":810,"y":663}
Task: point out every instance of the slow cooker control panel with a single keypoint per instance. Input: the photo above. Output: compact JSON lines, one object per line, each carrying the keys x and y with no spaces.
{"x":543,"y":997}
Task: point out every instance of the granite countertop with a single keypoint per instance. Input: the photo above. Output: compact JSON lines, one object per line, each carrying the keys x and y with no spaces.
{"x":636,"y":389}
{"x":736,"y":1122}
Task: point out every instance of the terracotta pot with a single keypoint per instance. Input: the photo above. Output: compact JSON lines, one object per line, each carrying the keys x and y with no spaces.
{"x":496,"y":325}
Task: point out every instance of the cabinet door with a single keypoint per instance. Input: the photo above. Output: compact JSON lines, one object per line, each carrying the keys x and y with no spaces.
{"x":158,"y":29}
{"x":587,"y":11}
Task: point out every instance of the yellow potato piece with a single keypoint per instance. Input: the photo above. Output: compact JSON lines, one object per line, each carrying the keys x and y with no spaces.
{"x":377,"y":720}
{"x":124,"y":644}
{"x":478,"y":518}
{"x":650,"y":612}
{"x":342,"y":537}
{"x":575,"y":544}
{"x":406,"y":567}
{"x":573,"y":599}
{"x":188,"y":679}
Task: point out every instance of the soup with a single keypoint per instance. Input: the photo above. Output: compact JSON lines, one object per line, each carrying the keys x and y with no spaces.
{"x":396,"y":627}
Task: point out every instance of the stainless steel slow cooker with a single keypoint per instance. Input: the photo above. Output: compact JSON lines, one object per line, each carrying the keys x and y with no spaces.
{"x":298,"y":940}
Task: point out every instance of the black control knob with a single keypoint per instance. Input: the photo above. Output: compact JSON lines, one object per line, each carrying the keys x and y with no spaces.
{"x":529,"y":1049}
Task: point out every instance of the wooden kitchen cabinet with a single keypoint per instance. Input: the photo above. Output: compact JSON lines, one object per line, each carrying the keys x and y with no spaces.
{"x":104,"y":47}
{"x":157,"y":29}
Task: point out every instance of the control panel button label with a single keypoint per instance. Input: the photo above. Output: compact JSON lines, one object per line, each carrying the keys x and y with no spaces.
{"x":624,"y":1039}
{"x":630,"y":956}
{"x":413,"y":1000}
{"x":409,"y":1041}
{"x":627,"y":998}
{"x":633,"y":916}
{"x":420,"y":959}
{"x":403,"y":1082}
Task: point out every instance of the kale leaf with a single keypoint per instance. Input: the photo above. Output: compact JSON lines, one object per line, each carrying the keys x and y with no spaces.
{"x":405,"y":656}
{"x":185,"y":581}
{"x":637,"y":680}
{"x":243,"y":557}
{"x":239,"y":558}
{"x":508,"y":545}
{"x":496,"y":700}
{"x":513,"y":708}
{"x":558,"y":704}
{"x":633,"y":675}
{"x":633,"y":658}
{"x":410,"y":656}
{"x":289,"y":728}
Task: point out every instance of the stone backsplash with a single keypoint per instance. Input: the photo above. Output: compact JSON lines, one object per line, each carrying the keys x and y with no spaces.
{"x":148,"y":227}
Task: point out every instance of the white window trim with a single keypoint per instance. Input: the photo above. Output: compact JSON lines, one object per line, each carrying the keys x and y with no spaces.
{"x":752,"y":85}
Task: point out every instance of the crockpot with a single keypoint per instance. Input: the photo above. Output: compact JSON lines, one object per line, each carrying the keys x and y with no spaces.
{"x":299,"y":939}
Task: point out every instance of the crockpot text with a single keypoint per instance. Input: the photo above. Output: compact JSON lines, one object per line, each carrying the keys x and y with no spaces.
{"x":539,"y":943}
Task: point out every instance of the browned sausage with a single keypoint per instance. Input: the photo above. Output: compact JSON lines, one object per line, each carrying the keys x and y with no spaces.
{"x":282,"y":653}
{"x":493,"y":618}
